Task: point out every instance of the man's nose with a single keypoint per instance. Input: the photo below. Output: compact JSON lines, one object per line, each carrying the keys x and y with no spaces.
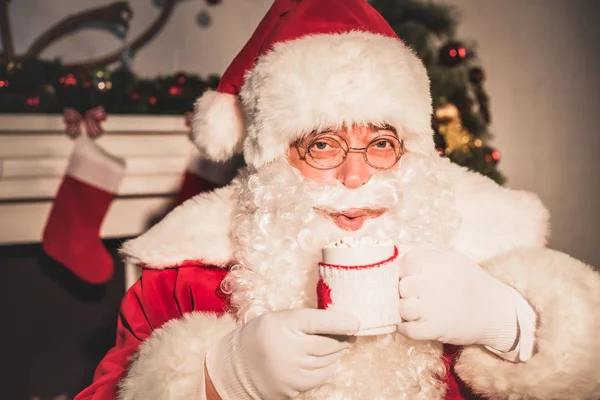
{"x":355,"y":171}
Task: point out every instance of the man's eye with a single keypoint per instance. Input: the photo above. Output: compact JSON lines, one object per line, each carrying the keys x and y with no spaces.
{"x":320,"y":145}
{"x":383,"y":144}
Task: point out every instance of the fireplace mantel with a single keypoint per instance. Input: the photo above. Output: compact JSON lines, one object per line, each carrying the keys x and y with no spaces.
{"x":34,"y":152}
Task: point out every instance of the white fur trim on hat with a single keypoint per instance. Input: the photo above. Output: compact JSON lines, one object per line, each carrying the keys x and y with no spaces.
{"x":218,"y":125}
{"x":330,"y":80}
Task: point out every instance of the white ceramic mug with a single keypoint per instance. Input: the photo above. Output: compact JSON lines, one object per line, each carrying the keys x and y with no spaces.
{"x":363,"y":281}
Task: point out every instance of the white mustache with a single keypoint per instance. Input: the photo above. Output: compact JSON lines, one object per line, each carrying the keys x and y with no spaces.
{"x":383,"y":190}
{"x":279,"y":182}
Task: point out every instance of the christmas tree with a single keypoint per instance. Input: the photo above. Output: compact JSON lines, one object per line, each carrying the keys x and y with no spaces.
{"x":461,"y":117}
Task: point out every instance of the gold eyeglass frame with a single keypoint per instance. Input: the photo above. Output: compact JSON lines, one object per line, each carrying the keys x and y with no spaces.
{"x":346,"y":149}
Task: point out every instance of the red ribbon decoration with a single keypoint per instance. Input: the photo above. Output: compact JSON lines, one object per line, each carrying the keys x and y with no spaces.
{"x":92,"y":120}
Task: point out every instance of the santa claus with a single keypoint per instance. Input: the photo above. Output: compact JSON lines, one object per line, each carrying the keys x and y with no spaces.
{"x":333,"y":115}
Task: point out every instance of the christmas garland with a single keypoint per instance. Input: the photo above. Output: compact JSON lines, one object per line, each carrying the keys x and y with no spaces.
{"x":37,"y":86}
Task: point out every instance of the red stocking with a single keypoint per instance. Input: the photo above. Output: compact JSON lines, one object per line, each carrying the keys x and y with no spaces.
{"x":202,"y":175}
{"x":72,"y":233}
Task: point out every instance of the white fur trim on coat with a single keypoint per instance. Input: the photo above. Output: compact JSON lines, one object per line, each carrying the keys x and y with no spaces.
{"x":329,"y":80}
{"x":218,"y":125}
{"x":565,"y":294}
{"x":170,"y":363}
{"x":494,"y":219}
{"x":197,"y":230}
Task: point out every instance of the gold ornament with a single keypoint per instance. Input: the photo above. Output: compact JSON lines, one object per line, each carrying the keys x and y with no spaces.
{"x":47,"y":88}
{"x":450,"y":127}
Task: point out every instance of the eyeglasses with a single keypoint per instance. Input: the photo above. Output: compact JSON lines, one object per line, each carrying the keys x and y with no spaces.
{"x":329,"y":150}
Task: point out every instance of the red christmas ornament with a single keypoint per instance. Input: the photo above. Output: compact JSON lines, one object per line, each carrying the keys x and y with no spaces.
{"x":492,"y":156}
{"x":175,"y":90}
{"x":135,"y":96}
{"x":452,"y":54}
{"x":152,"y":100}
{"x":68,"y":80}
{"x":33,"y":102}
{"x":180,"y":77}
{"x":4,"y":84}
{"x":476,"y":75}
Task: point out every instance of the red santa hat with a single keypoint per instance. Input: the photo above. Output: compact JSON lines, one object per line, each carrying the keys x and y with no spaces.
{"x":312,"y":65}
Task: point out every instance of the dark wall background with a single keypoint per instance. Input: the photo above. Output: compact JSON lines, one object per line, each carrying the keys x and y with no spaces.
{"x":55,"y":328}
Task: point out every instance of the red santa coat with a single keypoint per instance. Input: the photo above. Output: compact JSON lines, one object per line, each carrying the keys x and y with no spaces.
{"x":160,"y":296}
{"x":175,"y":312}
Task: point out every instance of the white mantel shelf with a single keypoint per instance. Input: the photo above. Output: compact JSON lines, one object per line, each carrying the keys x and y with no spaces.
{"x":48,"y":123}
{"x":34,"y":152}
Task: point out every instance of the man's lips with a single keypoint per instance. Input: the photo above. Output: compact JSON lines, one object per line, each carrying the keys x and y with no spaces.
{"x":352,"y":219}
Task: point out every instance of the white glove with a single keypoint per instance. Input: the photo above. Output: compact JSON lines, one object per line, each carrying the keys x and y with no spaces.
{"x":447,"y":297}
{"x":280,"y":354}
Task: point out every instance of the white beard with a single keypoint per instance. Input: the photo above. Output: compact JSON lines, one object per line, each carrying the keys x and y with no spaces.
{"x":278,"y":239}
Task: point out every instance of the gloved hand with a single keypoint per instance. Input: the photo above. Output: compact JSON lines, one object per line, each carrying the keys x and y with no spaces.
{"x":447,"y":297}
{"x":279,"y":354}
